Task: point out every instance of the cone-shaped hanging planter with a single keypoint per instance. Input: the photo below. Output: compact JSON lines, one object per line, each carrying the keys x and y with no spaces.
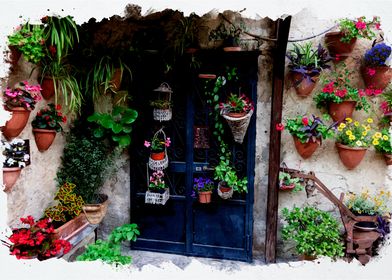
{"x":238,"y":124}
{"x":44,"y":138}
{"x":305,"y":150}
{"x":303,"y":85}
{"x":10,"y":176}
{"x":47,"y":86}
{"x":336,"y":47}
{"x":351,"y":157}
{"x":341,"y":111}
{"x":377,"y":77}
{"x":17,"y":123}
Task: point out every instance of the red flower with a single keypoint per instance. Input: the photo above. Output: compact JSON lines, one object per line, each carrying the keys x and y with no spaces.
{"x":52,"y":50}
{"x":360,"y":25}
{"x":328,"y":88}
{"x":58,"y":107}
{"x":337,"y":57}
{"x":341,"y":93}
{"x":59,"y":114}
{"x":39,"y":113}
{"x":305,"y":121}
{"x":47,"y":118}
{"x":279,"y":126}
{"x":378,"y":26}
{"x":371,"y":71}
{"x":64,"y":119}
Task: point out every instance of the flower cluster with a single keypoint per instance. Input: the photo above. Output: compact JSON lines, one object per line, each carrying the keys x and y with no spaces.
{"x":384,"y":145}
{"x":366,"y":204}
{"x":156,"y":181}
{"x":354,"y":134}
{"x":36,"y":241}
{"x":236,"y":104}
{"x":15,"y":153}
{"x":386,"y":105}
{"x":377,"y":56}
{"x":202,"y":184}
{"x":307,"y":130}
{"x":157,"y":144}
{"x":360,"y":28}
{"x":24,"y":95}
{"x":49,"y":117}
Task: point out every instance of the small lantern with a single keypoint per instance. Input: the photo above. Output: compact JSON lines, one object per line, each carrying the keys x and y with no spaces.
{"x":162,"y":104}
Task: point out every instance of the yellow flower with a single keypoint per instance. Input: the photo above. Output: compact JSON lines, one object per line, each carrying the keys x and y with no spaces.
{"x":375,"y":142}
{"x":367,"y":127}
{"x":385,"y":137}
{"x":349,"y":120}
{"x":351,"y":137}
{"x":340,"y":129}
{"x":378,"y":135}
{"x":364,"y":133}
{"x":349,"y":132}
{"x":369,"y":120}
{"x":342,"y":125}
{"x":358,"y":143}
{"x":356,"y":123}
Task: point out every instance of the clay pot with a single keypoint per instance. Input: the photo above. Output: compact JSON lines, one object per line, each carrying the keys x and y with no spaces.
{"x":337,"y":47}
{"x":236,"y":115}
{"x":205,"y":197}
{"x":302,"y":85}
{"x":116,"y":79}
{"x":388,"y":159}
{"x":207,"y":76}
{"x":47,"y":86}
{"x":305,"y":150}
{"x":96,"y":212}
{"x":158,"y":156}
{"x":341,"y":111}
{"x":17,"y":123}
{"x":380,"y":79}
{"x":351,"y":157}
{"x":14,"y":55}
{"x":43,"y":138}
{"x":71,"y":228}
{"x":10,"y":176}
{"x":287,"y":187}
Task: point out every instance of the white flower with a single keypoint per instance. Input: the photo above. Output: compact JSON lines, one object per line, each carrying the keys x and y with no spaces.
{"x":17,"y":141}
{"x":26,"y":157}
{"x":10,"y":161}
{"x":22,"y":164}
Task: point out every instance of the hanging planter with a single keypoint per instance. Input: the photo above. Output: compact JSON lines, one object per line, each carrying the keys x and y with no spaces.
{"x":157,"y":191}
{"x":388,"y":159}
{"x":14,"y":126}
{"x":306,"y":150}
{"x":338,"y":49}
{"x":304,"y":85}
{"x":47,"y":85}
{"x":340,"y":111}
{"x":96,"y":212}
{"x":44,"y":138}
{"x":162,"y":104}
{"x":10,"y":176}
{"x":156,"y":197}
{"x":116,"y":79}
{"x":158,"y":159}
{"x":224,"y":191}
{"x":351,"y":157}
{"x":14,"y":55}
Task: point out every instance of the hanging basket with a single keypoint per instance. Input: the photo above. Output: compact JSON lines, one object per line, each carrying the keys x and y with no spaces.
{"x":157,"y":198}
{"x":238,"y":125}
{"x":162,"y":163}
{"x":223,"y":191}
{"x":162,"y":114}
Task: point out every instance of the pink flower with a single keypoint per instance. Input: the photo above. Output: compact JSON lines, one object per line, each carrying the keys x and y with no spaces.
{"x":279,"y":126}
{"x":147,"y":144}
{"x":167,"y":142}
{"x":378,"y":26}
{"x":371,"y":71}
{"x":361,"y":93}
{"x":341,"y":93}
{"x":328,"y":88}
{"x":305,"y":121}
{"x":360,"y":25}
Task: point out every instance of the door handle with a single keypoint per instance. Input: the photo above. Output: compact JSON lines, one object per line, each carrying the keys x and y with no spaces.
{"x":206,"y":168}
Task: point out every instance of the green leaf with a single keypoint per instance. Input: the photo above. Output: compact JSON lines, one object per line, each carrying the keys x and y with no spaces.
{"x":123,"y":141}
{"x":99,"y":132}
{"x":117,"y":128}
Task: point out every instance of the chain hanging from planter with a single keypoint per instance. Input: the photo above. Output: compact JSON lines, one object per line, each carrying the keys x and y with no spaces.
{"x":155,"y":197}
{"x":159,"y":161}
{"x":162,"y":105}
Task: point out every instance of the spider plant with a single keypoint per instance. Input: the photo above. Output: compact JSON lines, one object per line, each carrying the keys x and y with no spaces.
{"x":100,"y":78}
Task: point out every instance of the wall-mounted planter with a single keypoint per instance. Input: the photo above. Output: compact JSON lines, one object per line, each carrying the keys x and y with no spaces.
{"x":14,"y":55}
{"x":340,"y":111}
{"x":10,"y":176}
{"x":116,"y":79}
{"x":336,"y":47}
{"x":17,"y":123}
{"x":47,"y":86}
{"x":44,"y":138}
{"x":388,"y":159}
{"x":377,"y":77}
{"x":351,"y":157}
{"x":305,"y":150}
{"x":303,"y":85}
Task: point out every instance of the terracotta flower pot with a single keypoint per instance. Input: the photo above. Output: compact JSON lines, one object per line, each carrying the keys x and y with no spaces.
{"x":205,"y":197}
{"x":44,"y":138}
{"x":47,"y":86}
{"x":207,"y":76}
{"x":303,"y":86}
{"x":336,"y":47}
{"x":340,"y":111}
{"x":96,"y":212}
{"x":71,"y":228}
{"x":17,"y":123}
{"x":116,"y":79}
{"x":10,"y":176}
{"x":376,"y":77}
{"x":157,"y":156}
{"x":305,"y":150}
{"x":14,"y":55}
{"x":351,"y":157}
{"x":236,"y":115}
{"x":388,"y":159}
{"x":287,"y":187}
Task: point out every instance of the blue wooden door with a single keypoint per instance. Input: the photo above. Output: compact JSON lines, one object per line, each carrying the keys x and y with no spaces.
{"x":223,"y":228}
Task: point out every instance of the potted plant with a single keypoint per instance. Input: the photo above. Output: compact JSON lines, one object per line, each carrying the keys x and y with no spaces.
{"x":16,"y":157}
{"x":341,"y":43}
{"x":187,"y":31}
{"x":237,"y":110}
{"x":376,"y":74}
{"x":20,"y":101}
{"x":305,"y":66}
{"x":230,"y":35}
{"x":29,"y":40}
{"x":308,"y":134}
{"x":288,"y":183}
{"x":158,"y":157}
{"x":353,"y":139}
{"x":229,"y":180}
{"x":158,"y":191}
{"x":109,"y":251}
{"x":36,"y":240}
{"x":384,"y":147}
{"x":46,"y":124}
{"x":339,"y":97}
{"x":115,"y":125}
{"x":315,"y":232}
{"x":203,"y":187}
{"x":67,"y":215}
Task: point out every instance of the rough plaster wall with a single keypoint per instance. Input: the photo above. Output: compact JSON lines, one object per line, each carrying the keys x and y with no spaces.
{"x":325,"y":162}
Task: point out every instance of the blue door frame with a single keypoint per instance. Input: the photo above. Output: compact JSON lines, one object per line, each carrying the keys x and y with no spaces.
{"x":224,"y":228}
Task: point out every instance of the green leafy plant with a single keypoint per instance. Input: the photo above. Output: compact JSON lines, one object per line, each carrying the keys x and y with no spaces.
{"x":360,"y":28}
{"x":366,"y":204}
{"x":117,"y":125}
{"x":49,"y":117}
{"x":29,"y":40}
{"x":68,"y":207}
{"x":225,"y":172}
{"x":230,"y":34}
{"x":285,"y":179}
{"x":384,"y":145}
{"x":315,"y":232}
{"x":86,"y":162}
{"x":307,"y":130}
{"x":160,"y":104}
{"x":355,"y":134}
{"x":110,"y":251}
